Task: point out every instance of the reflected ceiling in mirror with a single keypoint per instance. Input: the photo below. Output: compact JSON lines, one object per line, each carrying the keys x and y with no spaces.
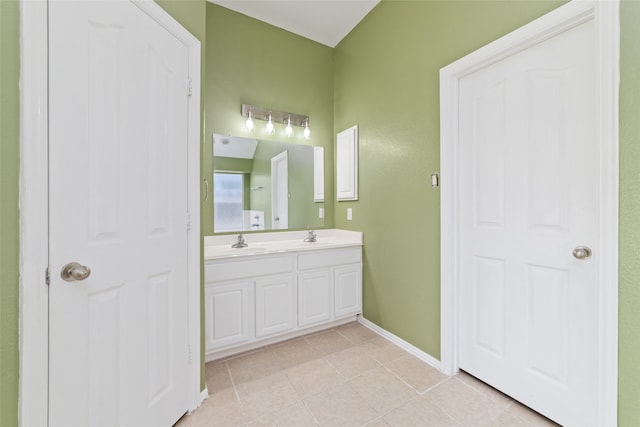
{"x":266,"y":185}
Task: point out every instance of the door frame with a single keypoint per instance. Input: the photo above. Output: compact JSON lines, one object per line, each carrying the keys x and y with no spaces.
{"x":605,"y":15}
{"x":34,"y":217}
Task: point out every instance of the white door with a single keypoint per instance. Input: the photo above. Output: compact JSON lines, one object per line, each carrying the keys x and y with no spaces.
{"x":280,"y":191}
{"x":528,"y":198}
{"x":118,"y":202}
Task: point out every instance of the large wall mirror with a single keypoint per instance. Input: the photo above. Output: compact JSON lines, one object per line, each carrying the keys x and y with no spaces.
{"x":266,"y":185}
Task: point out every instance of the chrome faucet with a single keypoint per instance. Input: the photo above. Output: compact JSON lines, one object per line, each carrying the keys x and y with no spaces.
{"x":240,"y":243}
{"x":311,"y":237}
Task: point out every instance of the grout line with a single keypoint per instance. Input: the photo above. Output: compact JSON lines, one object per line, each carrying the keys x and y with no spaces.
{"x":233,"y":383}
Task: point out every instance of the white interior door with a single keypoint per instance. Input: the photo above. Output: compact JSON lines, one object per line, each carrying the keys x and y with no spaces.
{"x":280,"y":191}
{"x":528,"y":197}
{"x":118,"y":203}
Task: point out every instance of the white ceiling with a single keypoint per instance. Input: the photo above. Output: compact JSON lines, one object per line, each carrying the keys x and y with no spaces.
{"x":324,"y":21}
{"x":234,"y":146}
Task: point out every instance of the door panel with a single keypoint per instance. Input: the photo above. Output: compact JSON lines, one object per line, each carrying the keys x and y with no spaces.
{"x":118,"y":199}
{"x":528,"y":196}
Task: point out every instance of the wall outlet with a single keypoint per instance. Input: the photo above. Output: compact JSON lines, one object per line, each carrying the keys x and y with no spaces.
{"x":320,"y":213}
{"x":349,"y":214}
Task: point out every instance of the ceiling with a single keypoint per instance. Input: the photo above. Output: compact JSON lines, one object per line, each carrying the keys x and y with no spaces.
{"x":324,"y":21}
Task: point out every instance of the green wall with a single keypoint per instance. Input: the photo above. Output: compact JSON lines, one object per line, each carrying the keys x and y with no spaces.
{"x":386,"y":80}
{"x":629,"y":289}
{"x":9,"y":158}
{"x":251,"y":62}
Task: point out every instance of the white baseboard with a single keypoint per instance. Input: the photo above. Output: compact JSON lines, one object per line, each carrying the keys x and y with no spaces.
{"x":409,"y":348}
{"x":204,"y":395}
{"x":263,"y":342}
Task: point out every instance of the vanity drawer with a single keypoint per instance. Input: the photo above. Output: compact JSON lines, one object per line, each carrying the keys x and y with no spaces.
{"x":319,"y":259}
{"x":218,"y":271}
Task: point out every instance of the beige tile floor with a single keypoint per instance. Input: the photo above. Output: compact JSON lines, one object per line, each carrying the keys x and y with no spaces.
{"x":347,"y":376}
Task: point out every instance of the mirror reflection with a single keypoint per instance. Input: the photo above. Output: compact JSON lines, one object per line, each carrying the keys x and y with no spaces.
{"x":266,"y":185}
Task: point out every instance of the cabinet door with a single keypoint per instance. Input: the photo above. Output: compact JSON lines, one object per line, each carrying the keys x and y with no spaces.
{"x":227,"y":314}
{"x":314,"y":297}
{"x":347,"y":290}
{"x":347,"y":164}
{"x":275,"y":305}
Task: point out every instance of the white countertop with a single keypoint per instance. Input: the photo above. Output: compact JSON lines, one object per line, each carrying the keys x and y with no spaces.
{"x":216,"y":247}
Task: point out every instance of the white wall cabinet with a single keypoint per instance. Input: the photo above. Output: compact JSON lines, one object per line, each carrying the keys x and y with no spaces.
{"x":253,"y":300}
{"x":347,"y":164}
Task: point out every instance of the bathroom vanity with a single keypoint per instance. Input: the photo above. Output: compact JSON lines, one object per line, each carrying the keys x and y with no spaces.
{"x":278,"y":287}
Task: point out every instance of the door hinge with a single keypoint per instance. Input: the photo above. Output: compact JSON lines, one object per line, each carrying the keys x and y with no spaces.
{"x":189,"y":87}
{"x":187,"y":219}
{"x":47,"y":277}
{"x":190,"y":354}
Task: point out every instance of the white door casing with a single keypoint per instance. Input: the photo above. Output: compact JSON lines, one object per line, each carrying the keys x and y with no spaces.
{"x":280,"y":191}
{"x":34,"y":174}
{"x":551,"y":207}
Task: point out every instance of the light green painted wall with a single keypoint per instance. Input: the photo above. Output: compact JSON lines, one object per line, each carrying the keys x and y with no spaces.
{"x":389,"y":63}
{"x":232,"y":164}
{"x":629,"y":289}
{"x":386,"y":80}
{"x":251,"y":62}
{"x":9,"y":157}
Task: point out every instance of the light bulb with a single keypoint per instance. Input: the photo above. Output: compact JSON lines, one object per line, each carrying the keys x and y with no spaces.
{"x":249,"y":123}
{"x":270,"y":125}
{"x":288,"y":131}
{"x":307,"y":131}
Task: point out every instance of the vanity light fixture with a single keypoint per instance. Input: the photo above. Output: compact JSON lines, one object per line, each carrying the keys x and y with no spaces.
{"x":253,"y":112}
{"x":249,"y":123}
{"x":307,"y":131}
{"x":269,"y":126}
{"x":288,"y":131}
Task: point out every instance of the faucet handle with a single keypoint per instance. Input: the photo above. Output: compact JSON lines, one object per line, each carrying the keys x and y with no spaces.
{"x":311,"y":236}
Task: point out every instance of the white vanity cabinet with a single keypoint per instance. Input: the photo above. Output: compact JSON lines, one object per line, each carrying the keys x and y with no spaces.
{"x":248,"y":297}
{"x":227,"y":308}
{"x":329,"y":284}
{"x":258,"y":299}
{"x":275,"y":305}
{"x":347,"y":290}
{"x":314,"y":297}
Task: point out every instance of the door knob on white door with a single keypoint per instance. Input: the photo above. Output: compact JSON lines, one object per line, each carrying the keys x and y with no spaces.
{"x":582,"y":252}
{"x":74,"y":271}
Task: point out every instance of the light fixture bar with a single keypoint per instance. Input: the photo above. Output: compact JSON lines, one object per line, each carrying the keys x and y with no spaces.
{"x":262,"y":113}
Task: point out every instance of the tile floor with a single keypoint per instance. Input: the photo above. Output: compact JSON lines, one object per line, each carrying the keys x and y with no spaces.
{"x":347,"y":376}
